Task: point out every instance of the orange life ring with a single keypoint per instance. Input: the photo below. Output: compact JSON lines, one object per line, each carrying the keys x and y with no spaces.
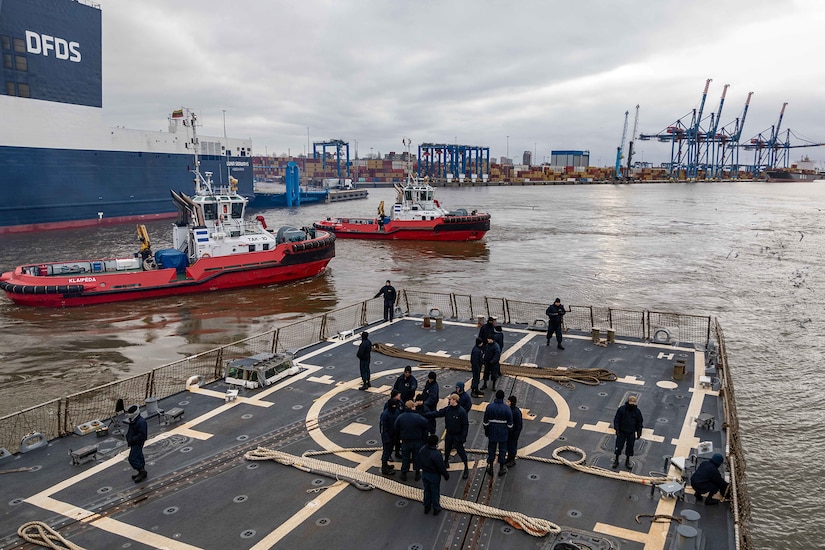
{"x":206,"y":255}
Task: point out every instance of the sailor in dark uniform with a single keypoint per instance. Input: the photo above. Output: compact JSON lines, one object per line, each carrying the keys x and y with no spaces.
{"x":406,"y":384}
{"x":363,"y":354}
{"x":556,"y":319}
{"x":136,"y":436}
{"x":492,"y":356}
{"x":388,"y":291}
{"x":476,"y":363}
{"x":628,"y":424}
{"x":432,"y":464}
{"x":488,"y":329}
{"x":707,"y":480}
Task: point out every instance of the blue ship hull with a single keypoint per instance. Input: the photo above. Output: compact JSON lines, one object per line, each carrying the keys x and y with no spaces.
{"x":62,"y":187}
{"x":60,"y":164}
{"x":268,"y":200}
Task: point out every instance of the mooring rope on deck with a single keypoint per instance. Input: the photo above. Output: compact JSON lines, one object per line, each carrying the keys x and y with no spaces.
{"x":37,"y":532}
{"x":590,"y":377}
{"x":557,"y":458}
{"x":536,"y":527}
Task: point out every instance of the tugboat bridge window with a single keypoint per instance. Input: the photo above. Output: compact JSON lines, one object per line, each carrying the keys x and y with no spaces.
{"x":237,"y":210}
{"x":210,"y":211}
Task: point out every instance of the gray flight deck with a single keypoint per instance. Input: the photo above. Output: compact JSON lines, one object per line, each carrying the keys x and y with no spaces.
{"x":202,"y":492}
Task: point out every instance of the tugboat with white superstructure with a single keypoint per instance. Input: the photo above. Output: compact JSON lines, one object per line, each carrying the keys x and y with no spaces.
{"x":214,"y":247}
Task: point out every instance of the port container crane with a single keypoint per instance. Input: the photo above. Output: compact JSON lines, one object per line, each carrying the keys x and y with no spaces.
{"x":729,"y":143}
{"x":713,"y":167}
{"x":694,"y":136}
{"x":618,"y":174}
{"x":764,"y":147}
{"x":631,"y":143}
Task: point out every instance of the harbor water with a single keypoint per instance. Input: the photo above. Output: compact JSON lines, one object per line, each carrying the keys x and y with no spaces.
{"x":748,"y":253}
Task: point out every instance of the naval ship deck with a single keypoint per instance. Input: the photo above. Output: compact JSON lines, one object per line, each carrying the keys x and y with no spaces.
{"x":202,"y":492}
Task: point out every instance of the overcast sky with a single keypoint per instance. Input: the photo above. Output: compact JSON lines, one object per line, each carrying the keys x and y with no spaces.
{"x":548,"y":74}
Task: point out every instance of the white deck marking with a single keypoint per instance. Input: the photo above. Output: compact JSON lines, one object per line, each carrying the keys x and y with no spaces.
{"x":325,"y":379}
{"x":45,"y":501}
{"x":111,"y":525}
{"x":356,"y":428}
{"x":599,"y":427}
{"x":317,"y":503}
{"x":656,"y":537}
{"x":240,"y":399}
{"x":314,"y":411}
{"x":555,"y":420}
{"x":630,"y":380}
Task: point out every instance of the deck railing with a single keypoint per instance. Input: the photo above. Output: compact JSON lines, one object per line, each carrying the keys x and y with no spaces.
{"x":59,"y":416}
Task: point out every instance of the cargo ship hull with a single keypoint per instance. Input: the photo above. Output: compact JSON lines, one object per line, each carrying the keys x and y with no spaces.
{"x":61,"y":164}
{"x":60,"y":188}
{"x":792,"y":175}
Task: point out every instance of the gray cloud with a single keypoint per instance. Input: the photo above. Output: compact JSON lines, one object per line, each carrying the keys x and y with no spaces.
{"x":551,"y":75}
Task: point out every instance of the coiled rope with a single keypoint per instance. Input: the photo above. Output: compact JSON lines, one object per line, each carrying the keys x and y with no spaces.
{"x":566,"y":376}
{"x":37,"y":532}
{"x":536,"y":527}
{"x":654,"y":518}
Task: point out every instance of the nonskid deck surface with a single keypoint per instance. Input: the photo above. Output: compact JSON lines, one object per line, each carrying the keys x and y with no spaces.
{"x":202,"y":492}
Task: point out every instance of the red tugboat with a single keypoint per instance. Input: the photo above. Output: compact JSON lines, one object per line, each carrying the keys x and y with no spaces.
{"x":416,"y":216}
{"x":214,"y":248}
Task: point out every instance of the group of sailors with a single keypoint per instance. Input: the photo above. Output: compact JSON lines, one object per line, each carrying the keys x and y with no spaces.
{"x":408,"y":429}
{"x":408,"y":420}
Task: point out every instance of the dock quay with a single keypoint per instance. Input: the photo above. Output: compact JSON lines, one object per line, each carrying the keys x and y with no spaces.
{"x":338,"y":195}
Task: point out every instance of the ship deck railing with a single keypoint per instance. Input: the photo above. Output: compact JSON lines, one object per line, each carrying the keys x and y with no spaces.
{"x":58,"y":416}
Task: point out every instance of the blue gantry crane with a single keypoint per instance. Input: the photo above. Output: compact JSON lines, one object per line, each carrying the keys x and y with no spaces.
{"x":620,"y":149}
{"x":339,"y":146}
{"x":711,"y":164}
{"x":728,"y":143}
{"x":631,"y":143}
{"x":715,"y":151}
{"x":764,"y":145}
{"x":436,"y":160}
{"x":770,"y":152}
{"x":695,"y":136}
{"x":694,"y":149}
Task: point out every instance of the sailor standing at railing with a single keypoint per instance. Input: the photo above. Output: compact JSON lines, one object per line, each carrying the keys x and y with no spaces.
{"x":556,"y":314}
{"x":388,"y":291}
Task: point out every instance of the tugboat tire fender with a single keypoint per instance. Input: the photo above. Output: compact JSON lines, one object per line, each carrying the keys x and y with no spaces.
{"x":40,"y":289}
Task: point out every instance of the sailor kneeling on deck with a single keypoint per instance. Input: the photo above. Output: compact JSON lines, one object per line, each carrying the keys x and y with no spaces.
{"x":707,"y":479}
